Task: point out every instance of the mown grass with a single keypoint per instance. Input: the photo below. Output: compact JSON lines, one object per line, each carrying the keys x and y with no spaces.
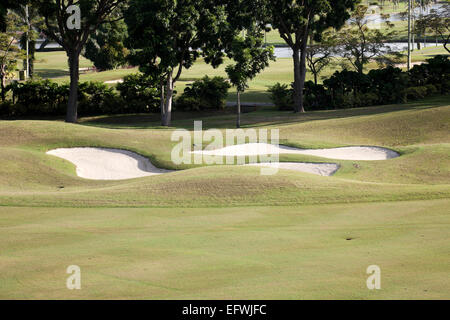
{"x":227,"y":253}
{"x":227,"y":231}
{"x":419,"y":131}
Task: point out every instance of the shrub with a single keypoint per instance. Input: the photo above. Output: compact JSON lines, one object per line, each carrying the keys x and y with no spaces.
{"x":140,"y":94}
{"x":316,"y":96}
{"x":444,"y":87}
{"x":431,"y":89}
{"x":96,"y":98}
{"x":370,"y":98}
{"x":388,"y":84}
{"x":6,"y":108}
{"x":38,"y":97}
{"x":418,"y":75}
{"x":281,"y":96}
{"x":358,"y":99}
{"x":346,"y":87}
{"x":415,"y":93}
{"x":438,"y":70}
{"x":189,"y":103}
{"x":207,"y":93}
{"x":43,"y":98}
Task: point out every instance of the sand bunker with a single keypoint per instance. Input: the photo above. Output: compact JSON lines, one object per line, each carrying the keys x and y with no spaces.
{"x":322,"y":169}
{"x":115,"y":164}
{"x":107,"y":164}
{"x":345,"y":153}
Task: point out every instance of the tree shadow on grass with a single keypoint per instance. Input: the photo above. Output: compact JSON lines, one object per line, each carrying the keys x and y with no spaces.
{"x":262,"y":116}
{"x":51,"y":73}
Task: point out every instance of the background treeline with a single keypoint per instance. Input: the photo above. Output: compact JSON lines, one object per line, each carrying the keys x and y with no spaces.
{"x":350,"y":89}
{"x":140,"y":94}
{"x":137,"y":94}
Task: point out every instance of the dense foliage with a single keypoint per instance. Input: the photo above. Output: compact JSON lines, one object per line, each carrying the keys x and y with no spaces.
{"x":105,"y":47}
{"x":140,"y":94}
{"x":73,"y":37}
{"x":136,"y":94}
{"x":297,"y":22}
{"x":349,"y":89}
{"x":207,"y":93}
{"x":166,"y":37}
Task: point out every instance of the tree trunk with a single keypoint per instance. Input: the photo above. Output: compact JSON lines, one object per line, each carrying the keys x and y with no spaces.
{"x":315,"y":78}
{"x":238,"y":120}
{"x":32,"y":57}
{"x":302,"y":75}
{"x":167,"y":117}
{"x":3,"y":85}
{"x":162,"y":102}
{"x":297,"y":81}
{"x":446,"y":40}
{"x":72,"y":106}
{"x":359,"y":66}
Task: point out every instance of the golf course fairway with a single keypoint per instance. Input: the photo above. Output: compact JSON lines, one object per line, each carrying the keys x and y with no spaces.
{"x":226,"y":231}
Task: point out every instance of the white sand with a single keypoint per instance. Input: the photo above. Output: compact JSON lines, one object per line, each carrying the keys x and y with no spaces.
{"x":322,"y":169}
{"x":345,"y":153}
{"x":107,"y":164}
{"x":115,"y":164}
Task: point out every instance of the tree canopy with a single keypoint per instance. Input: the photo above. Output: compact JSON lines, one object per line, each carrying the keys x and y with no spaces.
{"x":105,"y":48}
{"x":168,"y":36}
{"x":297,"y":21}
{"x":250,"y":59}
{"x":56,"y":14}
{"x":359,"y":44}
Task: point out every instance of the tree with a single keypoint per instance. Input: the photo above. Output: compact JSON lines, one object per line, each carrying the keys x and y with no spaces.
{"x":417,"y":13}
{"x":4,"y":6}
{"x":62,"y":26}
{"x":29,"y":21}
{"x":9,"y":52}
{"x":251,"y":58}
{"x":105,"y":48}
{"x":320,"y":54}
{"x":167,"y":36}
{"x":439,"y":23}
{"x":296,"y":21}
{"x":359,"y":44}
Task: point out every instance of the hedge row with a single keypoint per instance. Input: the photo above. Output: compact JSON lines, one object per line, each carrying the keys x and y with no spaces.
{"x":349,"y":89}
{"x":137,"y":94}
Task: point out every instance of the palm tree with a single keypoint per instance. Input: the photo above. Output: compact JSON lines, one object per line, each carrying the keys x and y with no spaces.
{"x":29,"y":23}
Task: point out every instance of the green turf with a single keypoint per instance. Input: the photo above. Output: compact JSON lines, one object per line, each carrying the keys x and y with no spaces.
{"x":227,"y":253}
{"x":227,"y":231}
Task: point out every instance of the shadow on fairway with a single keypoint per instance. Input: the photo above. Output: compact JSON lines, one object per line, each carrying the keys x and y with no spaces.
{"x":262,"y":116}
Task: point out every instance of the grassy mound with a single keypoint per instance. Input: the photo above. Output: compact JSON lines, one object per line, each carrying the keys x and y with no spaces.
{"x":227,"y":231}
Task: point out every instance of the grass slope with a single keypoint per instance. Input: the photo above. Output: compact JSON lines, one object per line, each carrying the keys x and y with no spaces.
{"x":227,"y":231}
